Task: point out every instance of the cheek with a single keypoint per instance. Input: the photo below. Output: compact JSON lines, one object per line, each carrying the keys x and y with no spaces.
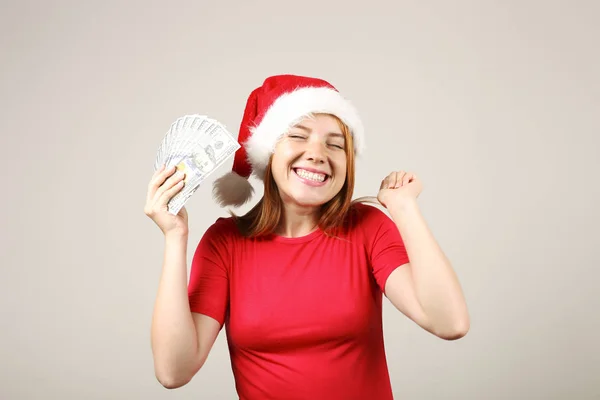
{"x":278,"y":172}
{"x":283,"y":155}
{"x":340,"y":166}
{"x":280,"y":169}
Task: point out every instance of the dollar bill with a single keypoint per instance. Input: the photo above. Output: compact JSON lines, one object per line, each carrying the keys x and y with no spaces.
{"x":197,"y":146}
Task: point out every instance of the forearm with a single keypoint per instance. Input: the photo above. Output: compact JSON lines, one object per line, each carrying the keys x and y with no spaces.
{"x":436,"y":285}
{"x":174,"y":338}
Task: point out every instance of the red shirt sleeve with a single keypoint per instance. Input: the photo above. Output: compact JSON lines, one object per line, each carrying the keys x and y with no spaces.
{"x":384,"y":244}
{"x":208,"y":289}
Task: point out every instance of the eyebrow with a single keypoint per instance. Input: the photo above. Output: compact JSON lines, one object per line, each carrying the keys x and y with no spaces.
{"x":335,"y":134}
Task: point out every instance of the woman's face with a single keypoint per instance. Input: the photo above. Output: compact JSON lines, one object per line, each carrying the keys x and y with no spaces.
{"x":309,"y":162}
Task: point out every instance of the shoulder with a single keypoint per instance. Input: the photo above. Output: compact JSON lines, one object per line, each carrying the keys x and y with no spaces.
{"x":378,"y":231}
{"x":368,"y":217}
{"x":371,"y":223}
{"x":216,"y":244}
{"x":221,"y":233}
{"x":223,"y":226}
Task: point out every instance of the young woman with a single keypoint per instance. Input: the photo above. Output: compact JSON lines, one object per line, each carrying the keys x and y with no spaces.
{"x":298,"y":281}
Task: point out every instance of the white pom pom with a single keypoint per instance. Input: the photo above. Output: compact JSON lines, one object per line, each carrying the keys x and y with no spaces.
{"x":232,"y":190}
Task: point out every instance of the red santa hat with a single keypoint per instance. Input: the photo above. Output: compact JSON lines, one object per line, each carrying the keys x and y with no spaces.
{"x":271,"y":110}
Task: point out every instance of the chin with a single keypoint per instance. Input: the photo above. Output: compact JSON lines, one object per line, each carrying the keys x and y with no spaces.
{"x":311,"y":199}
{"x":310,"y":202}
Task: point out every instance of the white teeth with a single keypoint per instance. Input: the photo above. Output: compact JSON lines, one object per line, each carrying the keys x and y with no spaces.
{"x":310,"y":175}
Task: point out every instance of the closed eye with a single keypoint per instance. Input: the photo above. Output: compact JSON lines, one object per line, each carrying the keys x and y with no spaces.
{"x":337,"y":146}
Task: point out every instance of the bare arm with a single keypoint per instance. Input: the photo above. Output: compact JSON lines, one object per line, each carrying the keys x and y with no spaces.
{"x":181,"y":340}
{"x":427,"y":289}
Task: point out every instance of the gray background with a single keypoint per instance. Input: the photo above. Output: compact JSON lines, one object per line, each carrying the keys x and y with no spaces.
{"x":494,"y":104}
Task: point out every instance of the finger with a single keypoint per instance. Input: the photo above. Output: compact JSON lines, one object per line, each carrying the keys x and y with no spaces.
{"x":171,"y":181}
{"x":159,"y":180}
{"x":391,"y":180}
{"x":160,"y":169}
{"x":402,"y":179}
{"x":398,"y":181}
{"x":159,"y":177}
{"x":168,"y":194}
{"x":162,"y":173}
{"x":395,"y":183}
{"x":385,"y":182}
{"x":407,"y":179}
{"x":155,"y":174}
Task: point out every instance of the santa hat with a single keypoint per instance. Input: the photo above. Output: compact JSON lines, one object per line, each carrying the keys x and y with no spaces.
{"x":271,"y":109}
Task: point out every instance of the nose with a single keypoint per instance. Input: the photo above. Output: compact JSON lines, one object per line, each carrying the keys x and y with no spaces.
{"x":315,"y":152}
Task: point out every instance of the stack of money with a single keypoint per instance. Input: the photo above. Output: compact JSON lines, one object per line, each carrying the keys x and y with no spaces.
{"x":197,"y":145}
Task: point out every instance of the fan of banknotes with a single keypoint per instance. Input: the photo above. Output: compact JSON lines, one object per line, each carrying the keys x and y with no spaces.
{"x":196,"y":145}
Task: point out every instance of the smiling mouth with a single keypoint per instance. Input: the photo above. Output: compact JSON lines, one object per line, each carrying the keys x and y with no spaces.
{"x":311,"y":176}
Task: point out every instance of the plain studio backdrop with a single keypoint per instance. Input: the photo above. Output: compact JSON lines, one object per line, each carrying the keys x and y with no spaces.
{"x":493,"y":104}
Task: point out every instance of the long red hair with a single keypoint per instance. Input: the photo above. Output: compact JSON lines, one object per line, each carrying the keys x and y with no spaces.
{"x":264,"y":218}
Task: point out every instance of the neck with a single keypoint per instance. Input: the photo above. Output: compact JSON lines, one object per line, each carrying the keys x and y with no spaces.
{"x":298,"y":221}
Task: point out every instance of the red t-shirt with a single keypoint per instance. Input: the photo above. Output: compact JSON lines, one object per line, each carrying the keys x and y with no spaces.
{"x":303,"y":316}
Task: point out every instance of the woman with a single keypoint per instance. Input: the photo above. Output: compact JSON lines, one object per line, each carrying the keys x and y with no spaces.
{"x":298,"y":281}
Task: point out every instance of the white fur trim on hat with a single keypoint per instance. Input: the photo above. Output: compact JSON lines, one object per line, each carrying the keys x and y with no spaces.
{"x":288,"y":110}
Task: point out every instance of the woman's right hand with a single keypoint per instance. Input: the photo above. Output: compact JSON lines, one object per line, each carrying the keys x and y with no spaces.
{"x":165,"y":184}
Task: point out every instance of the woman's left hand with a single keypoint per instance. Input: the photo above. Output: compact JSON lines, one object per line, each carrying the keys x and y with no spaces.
{"x":398,"y":187}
